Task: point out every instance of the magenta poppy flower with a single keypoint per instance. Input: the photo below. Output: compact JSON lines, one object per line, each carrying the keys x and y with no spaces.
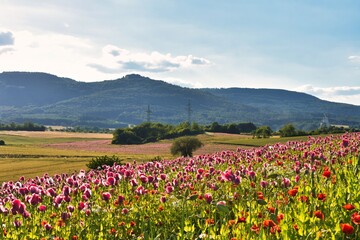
{"x":169,"y":189}
{"x":81,"y":205}
{"x":223,"y":203}
{"x":106,"y":196}
{"x":208,"y":197}
{"x":111,"y":181}
{"x":42,"y":208}
{"x":124,"y":211}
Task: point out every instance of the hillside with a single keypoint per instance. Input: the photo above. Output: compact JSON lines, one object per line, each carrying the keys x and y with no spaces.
{"x":48,"y":99}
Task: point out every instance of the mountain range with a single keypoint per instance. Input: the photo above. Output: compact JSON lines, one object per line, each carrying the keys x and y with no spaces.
{"x":47,"y":99}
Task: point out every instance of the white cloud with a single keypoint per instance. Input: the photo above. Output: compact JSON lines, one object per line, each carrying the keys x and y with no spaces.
{"x":183,"y":83}
{"x":354,"y":59}
{"x":344,"y":94}
{"x":118,"y":60}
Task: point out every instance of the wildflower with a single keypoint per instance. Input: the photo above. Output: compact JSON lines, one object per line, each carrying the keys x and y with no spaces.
{"x":355,"y":218}
{"x":319,"y":214}
{"x":275,"y":229}
{"x":124,"y":211}
{"x":326,"y":173}
{"x":345,"y":142}
{"x":223,"y":203}
{"x":70,"y":208}
{"x":293,"y":192}
{"x":271,"y":209}
{"x":169,"y":189}
{"x":120,"y":199}
{"x":286,"y":182}
{"x":17,"y":223}
{"x":280,"y":217}
{"x":241,"y":220}
{"x":269,"y":223}
{"x":209,"y":221}
{"x":346,"y":228}
{"x":81,"y":205}
{"x":321,"y":196}
{"x":112,"y":231}
{"x":304,"y":199}
{"x":255,"y":228}
{"x":111,"y":181}
{"x":231,"y":222}
{"x":47,"y":226}
{"x":264,"y":184}
{"x":349,"y":207}
{"x":162,"y":199}
{"x":42,"y":208}
{"x":208,"y":197}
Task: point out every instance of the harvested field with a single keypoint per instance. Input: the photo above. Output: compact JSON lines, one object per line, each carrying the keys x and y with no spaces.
{"x":49,"y":134}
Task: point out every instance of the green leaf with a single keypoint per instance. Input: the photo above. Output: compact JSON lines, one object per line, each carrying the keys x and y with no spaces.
{"x":193,"y":197}
{"x":261,"y":202}
{"x":273,"y":175}
{"x":222,"y":208}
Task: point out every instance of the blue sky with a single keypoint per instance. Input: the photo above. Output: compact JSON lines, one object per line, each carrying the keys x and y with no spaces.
{"x":310,"y":46}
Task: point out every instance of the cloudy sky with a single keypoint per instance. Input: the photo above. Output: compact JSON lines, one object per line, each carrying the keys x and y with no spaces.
{"x":309,"y":46}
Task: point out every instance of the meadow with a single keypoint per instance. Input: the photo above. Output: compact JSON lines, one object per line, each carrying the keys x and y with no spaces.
{"x":294,"y":190}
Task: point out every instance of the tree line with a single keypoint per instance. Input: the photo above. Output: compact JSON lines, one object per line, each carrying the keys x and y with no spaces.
{"x":27,"y":126}
{"x":152,"y":132}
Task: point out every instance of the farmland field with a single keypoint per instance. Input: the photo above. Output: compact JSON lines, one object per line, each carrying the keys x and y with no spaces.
{"x":34,"y":153}
{"x":294,"y":190}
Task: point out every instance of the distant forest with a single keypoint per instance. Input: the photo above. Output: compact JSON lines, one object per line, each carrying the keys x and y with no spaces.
{"x":27,"y":126}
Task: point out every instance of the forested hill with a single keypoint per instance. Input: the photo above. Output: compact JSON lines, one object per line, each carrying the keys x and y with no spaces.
{"x":48,"y":99}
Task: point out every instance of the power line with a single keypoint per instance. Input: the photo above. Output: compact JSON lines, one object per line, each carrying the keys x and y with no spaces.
{"x":148,"y":114}
{"x":189,"y":111}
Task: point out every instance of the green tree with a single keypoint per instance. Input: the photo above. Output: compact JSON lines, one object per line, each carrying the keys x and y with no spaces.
{"x":288,"y":130}
{"x":263,"y":132}
{"x":2,"y":142}
{"x":185,"y":146}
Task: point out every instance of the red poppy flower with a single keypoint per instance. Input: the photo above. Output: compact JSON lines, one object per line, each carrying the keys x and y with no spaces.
{"x":327,"y":173}
{"x":296,"y":227}
{"x":241,"y":220}
{"x":209,"y":221}
{"x":275,"y":229}
{"x":319,"y":214}
{"x":271,"y":209}
{"x":304,"y":199}
{"x":280,"y":217}
{"x":347,"y":228}
{"x":269,"y":223}
{"x":231,"y":222}
{"x":355,"y":218}
{"x":255,"y":228}
{"x":321,"y":196}
{"x":349,"y":207}
{"x":293,"y":192}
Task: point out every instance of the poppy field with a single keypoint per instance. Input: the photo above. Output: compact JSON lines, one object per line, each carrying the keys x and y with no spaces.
{"x":295,"y":190}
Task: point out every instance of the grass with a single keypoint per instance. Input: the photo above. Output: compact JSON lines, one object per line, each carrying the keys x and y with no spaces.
{"x":32,"y":154}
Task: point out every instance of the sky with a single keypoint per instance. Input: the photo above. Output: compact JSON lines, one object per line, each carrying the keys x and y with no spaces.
{"x":307,"y":46}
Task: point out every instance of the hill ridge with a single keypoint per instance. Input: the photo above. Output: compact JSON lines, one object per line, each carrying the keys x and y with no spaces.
{"x":48,"y":99}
